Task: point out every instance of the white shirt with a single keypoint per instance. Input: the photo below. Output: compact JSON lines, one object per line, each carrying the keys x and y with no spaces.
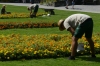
{"x":31,"y":6}
{"x":74,"y":20}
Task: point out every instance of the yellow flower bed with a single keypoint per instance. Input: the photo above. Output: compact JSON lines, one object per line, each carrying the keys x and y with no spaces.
{"x":16,"y":46}
{"x":17,"y":15}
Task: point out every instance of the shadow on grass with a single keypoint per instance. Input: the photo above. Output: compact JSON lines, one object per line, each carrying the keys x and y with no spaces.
{"x":97,"y":59}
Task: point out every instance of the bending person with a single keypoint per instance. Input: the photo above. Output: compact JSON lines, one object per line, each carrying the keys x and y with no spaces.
{"x":77,"y":25}
{"x":33,"y":8}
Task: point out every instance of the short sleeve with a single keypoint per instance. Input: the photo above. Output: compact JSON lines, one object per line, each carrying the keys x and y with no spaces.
{"x":66,"y":24}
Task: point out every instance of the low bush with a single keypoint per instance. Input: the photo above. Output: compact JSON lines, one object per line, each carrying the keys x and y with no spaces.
{"x":12,"y":25}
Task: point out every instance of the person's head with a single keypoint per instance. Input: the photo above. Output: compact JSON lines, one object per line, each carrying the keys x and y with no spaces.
{"x":3,"y":6}
{"x":60,"y":24}
{"x":28,"y":8}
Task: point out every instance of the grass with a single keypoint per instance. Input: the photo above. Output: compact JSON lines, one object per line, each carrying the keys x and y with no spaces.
{"x":59,"y":14}
{"x":33,"y":31}
{"x":80,"y":61}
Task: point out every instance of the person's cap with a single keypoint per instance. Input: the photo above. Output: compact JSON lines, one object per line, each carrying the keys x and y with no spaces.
{"x":3,"y":5}
{"x":60,"y":23}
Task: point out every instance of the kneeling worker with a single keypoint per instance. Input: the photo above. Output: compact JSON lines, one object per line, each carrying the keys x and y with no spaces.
{"x":3,"y":9}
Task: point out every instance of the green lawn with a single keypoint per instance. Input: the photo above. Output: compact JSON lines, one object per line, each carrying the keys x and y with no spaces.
{"x":80,"y":61}
{"x":59,"y":14}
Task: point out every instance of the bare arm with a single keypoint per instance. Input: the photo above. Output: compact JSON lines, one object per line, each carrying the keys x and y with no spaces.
{"x":31,"y":12}
{"x":71,"y":30}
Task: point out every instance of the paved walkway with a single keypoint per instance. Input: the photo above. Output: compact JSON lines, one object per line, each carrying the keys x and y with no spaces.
{"x":83,"y":8}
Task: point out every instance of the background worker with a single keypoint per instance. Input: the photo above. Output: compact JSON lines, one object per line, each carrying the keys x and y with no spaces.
{"x":33,"y":8}
{"x":3,"y":9}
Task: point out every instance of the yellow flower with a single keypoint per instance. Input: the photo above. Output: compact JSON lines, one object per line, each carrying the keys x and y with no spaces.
{"x":8,"y":58}
{"x":35,"y":52}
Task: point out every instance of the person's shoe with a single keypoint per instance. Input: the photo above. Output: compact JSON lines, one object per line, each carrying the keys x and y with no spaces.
{"x":71,"y":58}
{"x":93,"y":56}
